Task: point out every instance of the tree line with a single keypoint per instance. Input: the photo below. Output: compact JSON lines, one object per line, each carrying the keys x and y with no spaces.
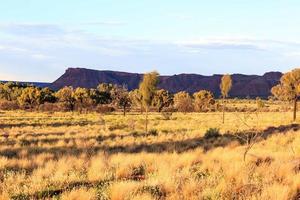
{"x":111,"y":97}
{"x":105,"y":98}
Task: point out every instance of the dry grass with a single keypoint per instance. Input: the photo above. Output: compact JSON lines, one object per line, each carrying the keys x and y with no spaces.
{"x":88,"y":156}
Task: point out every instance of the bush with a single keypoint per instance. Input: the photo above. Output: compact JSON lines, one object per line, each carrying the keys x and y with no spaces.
{"x":212,"y":133}
{"x":50,"y":107}
{"x":138,"y":173}
{"x":204,"y":101}
{"x":117,"y":127}
{"x":8,"y":105}
{"x":104,"y":109}
{"x":156,"y":191}
{"x":153,"y":132}
{"x":167,"y":113}
{"x":260,"y":103}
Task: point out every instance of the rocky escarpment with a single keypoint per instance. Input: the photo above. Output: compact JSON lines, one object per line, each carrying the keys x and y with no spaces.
{"x":243,"y":85}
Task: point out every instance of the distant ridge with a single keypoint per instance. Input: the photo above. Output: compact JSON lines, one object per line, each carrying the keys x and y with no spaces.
{"x":243,"y":85}
{"x":37,"y":84}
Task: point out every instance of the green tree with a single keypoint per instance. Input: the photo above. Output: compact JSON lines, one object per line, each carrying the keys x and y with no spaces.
{"x":65,"y":96}
{"x":136,"y":99}
{"x":183,"y":102}
{"x":5,"y":92}
{"x":162,"y":99}
{"x":121,"y":98}
{"x":10,"y":91}
{"x":105,"y":87}
{"x":289,"y":88}
{"x":29,"y":97}
{"x":80,"y":95}
{"x":225,"y":86}
{"x":103,"y":94}
{"x":47,"y":95}
{"x":280,"y":93}
{"x":82,"y":98}
{"x":99,"y":97}
{"x":204,"y":100}
{"x":147,"y":89}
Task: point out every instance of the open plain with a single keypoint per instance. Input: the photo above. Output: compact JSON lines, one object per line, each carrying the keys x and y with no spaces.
{"x":72,"y":155}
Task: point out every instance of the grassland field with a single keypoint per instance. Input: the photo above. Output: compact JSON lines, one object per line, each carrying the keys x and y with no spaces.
{"x":109,"y":156}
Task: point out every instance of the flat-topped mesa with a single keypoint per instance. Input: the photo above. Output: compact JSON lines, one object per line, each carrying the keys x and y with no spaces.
{"x":89,"y":78}
{"x":243,"y":85}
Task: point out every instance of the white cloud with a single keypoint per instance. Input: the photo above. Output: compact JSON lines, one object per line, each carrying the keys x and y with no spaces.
{"x":222,"y":44}
{"x":28,"y":57}
{"x":12,"y":48}
{"x":40,"y":56}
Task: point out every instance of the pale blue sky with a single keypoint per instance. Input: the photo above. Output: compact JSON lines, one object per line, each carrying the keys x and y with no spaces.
{"x":39,"y":39}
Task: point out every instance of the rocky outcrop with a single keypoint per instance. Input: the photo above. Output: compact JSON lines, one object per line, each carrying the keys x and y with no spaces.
{"x":243,"y":85}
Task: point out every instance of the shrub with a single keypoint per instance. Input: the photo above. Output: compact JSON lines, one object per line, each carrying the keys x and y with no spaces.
{"x":50,"y":107}
{"x":212,"y":133}
{"x":260,"y":103}
{"x":138,"y":173}
{"x":117,"y":127}
{"x":156,"y":191}
{"x":183,"y":102}
{"x":153,"y":132}
{"x":166,"y":115}
{"x":204,"y":101}
{"x":65,"y":107}
{"x":135,"y":134}
{"x":104,"y":109}
{"x":200,"y":175}
{"x":8,"y":105}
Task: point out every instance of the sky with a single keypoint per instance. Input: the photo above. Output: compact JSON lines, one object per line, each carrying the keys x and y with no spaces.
{"x":39,"y":40}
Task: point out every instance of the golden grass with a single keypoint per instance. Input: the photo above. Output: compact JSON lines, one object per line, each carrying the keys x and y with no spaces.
{"x":92,"y":156}
{"x":79,"y":194}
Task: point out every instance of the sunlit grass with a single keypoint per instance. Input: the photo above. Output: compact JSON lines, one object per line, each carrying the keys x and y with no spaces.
{"x":93,"y":156}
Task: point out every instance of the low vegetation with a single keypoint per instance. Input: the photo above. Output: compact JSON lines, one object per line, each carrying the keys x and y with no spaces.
{"x":85,"y":144}
{"x":67,"y":155}
{"x":109,"y":97}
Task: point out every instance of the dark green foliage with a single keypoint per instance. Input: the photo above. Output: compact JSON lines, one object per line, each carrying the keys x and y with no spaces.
{"x":153,"y":132}
{"x":212,"y":133}
{"x":47,"y":95}
{"x":104,"y":92}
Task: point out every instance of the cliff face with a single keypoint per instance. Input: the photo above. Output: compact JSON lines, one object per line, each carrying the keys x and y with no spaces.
{"x":243,"y":85}
{"x":80,"y":77}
